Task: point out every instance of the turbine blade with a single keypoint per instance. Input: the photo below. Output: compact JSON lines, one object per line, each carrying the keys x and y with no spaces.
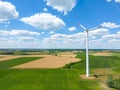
{"x":83,"y":27}
{"x":97,"y":27}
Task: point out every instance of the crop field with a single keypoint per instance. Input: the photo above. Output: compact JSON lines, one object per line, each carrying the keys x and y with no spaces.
{"x":49,"y":61}
{"x":17,"y":61}
{"x":7,"y":57}
{"x":63,"y":78}
{"x":45,"y":79}
{"x":102,"y":54}
{"x":110,"y":62}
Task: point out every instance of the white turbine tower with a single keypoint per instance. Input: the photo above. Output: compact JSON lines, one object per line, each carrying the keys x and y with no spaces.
{"x":87,"y":47}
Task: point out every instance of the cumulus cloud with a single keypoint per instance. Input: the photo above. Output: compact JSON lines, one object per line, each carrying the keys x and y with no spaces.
{"x":78,"y":37}
{"x":25,"y":38}
{"x":117,"y":1}
{"x":18,"y":33}
{"x":24,"y":33}
{"x":99,"y":38}
{"x":100,"y":31}
{"x":72,"y":28}
{"x":42,"y":32}
{"x":19,"y":39}
{"x":20,"y":43}
{"x":118,"y":32}
{"x":45,"y":9}
{"x":61,"y":5}
{"x":109,"y":0}
{"x":64,"y":38}
{"x":113,"y":40}
{"x":44,"y":21}
{"x":51,"y":32}
{"x":7,"y":11}
{"x":111,"y":36}
{"x":110,"y":25}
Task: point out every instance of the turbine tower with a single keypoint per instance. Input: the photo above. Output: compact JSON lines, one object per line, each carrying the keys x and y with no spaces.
{"x":87,"y":48}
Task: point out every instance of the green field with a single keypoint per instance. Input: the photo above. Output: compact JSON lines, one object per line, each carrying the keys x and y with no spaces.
{"x":111,"y":62}
{"x":45,"y":79}
{"x":56,"y":79}
{"x":17,"y":61}
{"x":116,"y":54}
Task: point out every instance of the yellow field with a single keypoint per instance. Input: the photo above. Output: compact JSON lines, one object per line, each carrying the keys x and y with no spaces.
{"x":49,"y":61}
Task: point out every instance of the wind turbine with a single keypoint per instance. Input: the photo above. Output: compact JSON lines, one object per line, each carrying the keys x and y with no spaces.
{"x":87,"y":47}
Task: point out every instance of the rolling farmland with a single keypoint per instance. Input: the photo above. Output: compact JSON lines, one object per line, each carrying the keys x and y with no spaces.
{"x":59,"y":45}
{"x":45,"y":79}
{"x":66,"y":78}
{"x":16,"y":61}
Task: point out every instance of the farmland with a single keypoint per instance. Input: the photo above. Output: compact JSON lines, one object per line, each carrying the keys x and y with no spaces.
{"x":45,"y":79}
{"x":49,"y":61}
{"x":17,"y":61}
{"x":62,"y":78}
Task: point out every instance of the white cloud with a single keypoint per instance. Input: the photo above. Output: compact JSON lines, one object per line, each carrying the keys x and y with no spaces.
{"x":110,"y":25}
{"x":111,"y":36}
{"x":21,"y":43}
{"x":117,"y":1}
{"x":65,"y":39}
{"x":109,"y":0}
{"x":45,"y":9}
{"x":25,"y":38}
{"x":112,"y":40}
{"x":72,"y":28}
{"x":19,"y":39}
{"x":99,"y":38}
{"x":78,"y":37}
{"x":44,"y":21}
{"x":18,"y":33}
{"x":100,"y":31}
{"x":7,"y":11}
{"x":93,"y":37}
{"x":62,"y":5}
{"x":42,"y":32}
{"x":51,"y":32}
{"x":24,"y":33}
{"x":118,"y":32}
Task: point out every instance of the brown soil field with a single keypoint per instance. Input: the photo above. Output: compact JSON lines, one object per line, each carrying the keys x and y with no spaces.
{"x":8,"y":57}
{"x":73,"y":56}
{"x":48,"y":61}
{"x":103,"y":71}
{"x":67,"y":54}
{"x":84,"y":77}
{"x":102,"y":54}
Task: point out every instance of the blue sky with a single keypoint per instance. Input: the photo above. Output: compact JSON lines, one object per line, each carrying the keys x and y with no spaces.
{"x":56,"y":23}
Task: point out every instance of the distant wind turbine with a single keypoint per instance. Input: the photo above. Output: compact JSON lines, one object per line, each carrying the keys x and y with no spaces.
{"x":87,"y":47}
